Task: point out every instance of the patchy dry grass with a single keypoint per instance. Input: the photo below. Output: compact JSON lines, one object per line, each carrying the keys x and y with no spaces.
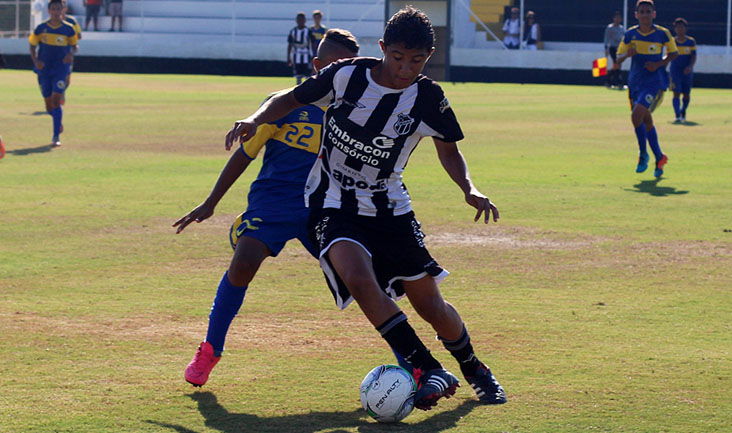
{"x":601,"y":300}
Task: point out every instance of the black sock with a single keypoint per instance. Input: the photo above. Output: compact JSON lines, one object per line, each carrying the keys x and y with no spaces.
{"x":401,"y":337}
{"x":463,"y":351}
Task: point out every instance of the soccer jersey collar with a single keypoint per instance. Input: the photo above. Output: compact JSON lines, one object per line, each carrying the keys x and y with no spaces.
{"x":653,"y":29}
{"x":384,"y":89}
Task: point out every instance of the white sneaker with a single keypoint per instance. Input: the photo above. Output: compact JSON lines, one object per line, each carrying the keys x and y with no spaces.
{"x":55,"y":141}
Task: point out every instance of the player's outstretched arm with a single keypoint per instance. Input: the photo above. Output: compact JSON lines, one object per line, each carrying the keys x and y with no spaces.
{"x":274,"y":109}
{"x":234,"y":168}
{"x":453,"y":162}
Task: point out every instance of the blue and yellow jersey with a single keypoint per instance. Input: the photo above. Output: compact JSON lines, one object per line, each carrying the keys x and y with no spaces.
{"x":55,"y":42}
{"x":318,"y":34}
{"x":649,"y":48}
{"x":291,"y":147}
{"x":687,"y":50}
{"x":74,"y":23}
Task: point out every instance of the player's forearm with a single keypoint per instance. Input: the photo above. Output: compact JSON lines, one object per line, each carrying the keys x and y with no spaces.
{"x":669,"y":58}
{"x":693,"y":61}
{"x":231,"y":172}
{"x":454,"y":163}
{"x":33,"y":55}
{"x":276,"y":108}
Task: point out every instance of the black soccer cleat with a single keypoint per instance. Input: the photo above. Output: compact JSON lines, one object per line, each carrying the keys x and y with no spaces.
{"x":486,"y":386}
{"x":433,"y":385}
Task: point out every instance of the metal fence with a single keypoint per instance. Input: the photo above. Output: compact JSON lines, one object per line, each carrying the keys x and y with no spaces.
{"x":15,"y":18}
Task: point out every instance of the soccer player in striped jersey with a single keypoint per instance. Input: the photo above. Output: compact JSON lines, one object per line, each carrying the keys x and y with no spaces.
{"x":55,"y":40}
{"x":682,"y":68}
{"x":371,"y":245}
{"x":646,"y":83}
{"x":276,"y":211}
{"x":300,"y":42}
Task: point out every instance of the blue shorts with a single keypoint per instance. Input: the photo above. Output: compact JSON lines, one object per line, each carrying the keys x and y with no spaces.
{"x":52,"y":80}
{"x":649,"y":97}
{"x":681,"y":83}
{"x":273,"y":229}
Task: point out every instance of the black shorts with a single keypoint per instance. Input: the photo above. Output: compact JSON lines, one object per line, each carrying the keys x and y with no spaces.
{"x":92,"y":11}
{"x":395,"y":244}
{"x":302,"y":70}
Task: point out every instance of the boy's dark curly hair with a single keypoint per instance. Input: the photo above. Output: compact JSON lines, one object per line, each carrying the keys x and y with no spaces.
{"x":411,"y":27}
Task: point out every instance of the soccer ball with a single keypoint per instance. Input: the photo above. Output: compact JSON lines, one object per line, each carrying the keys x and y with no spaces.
{"x":387,"y":393}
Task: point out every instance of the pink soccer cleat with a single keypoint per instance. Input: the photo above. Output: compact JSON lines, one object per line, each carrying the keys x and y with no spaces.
{"x":201,"y":365}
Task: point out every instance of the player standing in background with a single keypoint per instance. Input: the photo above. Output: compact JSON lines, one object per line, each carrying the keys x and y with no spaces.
{"x":614,"y":33}
{"x":300,"y":42}
{"x":92,"y":13}
{"x":371,"y":245}
{"x":57,"y":39}
{"x":645,"y":44}
{"x":276,"y":211}
{"x":682,"y":68}
{"x":73,"y":21}
{"x":317,"y":29}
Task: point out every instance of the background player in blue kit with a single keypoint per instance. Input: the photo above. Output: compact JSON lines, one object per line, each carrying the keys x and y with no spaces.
{"x":77,"y":27}
{"x":646,"y":84}
{"x":276,"y":211}
{"x":682,"y":68}
{"x":55,"y":40}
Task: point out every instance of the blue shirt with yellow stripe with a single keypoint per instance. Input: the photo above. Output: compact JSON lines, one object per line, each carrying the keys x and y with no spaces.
{"x":55,"y":43}
{"x":649,"y":48}
{"x":687,"y":50}
{"x":291,"y":147}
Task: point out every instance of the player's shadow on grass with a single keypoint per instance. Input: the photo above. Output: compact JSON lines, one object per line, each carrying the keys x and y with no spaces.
{"x":31,"y":150}
{"x":686,"y":123}
{"x":651,"y":187}
{"x":220,"y":419}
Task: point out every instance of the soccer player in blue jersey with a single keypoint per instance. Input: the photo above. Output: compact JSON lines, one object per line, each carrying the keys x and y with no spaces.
{"x":371,"y":245}
{"x":645,"y":44}
{"x":55,"y":40}
{"x":276,"y":212}
{"x":682,"y":68}
{"x":74,"y":22}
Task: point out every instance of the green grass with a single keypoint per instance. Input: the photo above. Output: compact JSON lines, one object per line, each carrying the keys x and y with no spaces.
{"x":601,"y":299}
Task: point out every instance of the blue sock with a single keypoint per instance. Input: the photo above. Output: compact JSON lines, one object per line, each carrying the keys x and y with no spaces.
{"x":686,"y":105}
{"x":57,"y":114}
{"x":677,"y":106}
{"x":653,"y":142}
{"x":640,"y":132}
{"x":225,"y":306}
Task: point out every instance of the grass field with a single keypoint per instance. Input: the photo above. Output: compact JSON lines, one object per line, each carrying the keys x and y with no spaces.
{"x":602,"y":299}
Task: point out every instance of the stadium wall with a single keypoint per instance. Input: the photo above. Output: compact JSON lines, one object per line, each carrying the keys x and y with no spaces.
{"x":558,"y":64}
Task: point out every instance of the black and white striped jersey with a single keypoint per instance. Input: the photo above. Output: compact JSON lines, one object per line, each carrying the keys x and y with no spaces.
{"x":302,"y":45}
{"x":369,"y":132}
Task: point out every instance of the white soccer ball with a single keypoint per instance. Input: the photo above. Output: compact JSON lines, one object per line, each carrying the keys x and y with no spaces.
{"x":387,"y":393}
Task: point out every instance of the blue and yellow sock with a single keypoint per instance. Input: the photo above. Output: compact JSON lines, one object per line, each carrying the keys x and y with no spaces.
{"x":677,"y":106}
{"x":653,"y":142}
{"x":640,"y":132}
{"x":225,"y":307}
{"x":57,"y":115}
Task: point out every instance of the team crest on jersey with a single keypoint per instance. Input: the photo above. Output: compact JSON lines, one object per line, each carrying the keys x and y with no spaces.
{"x":403,"y":124}
{"x":444,"y":105}
{"x":60,"y":40}
{"x":653,"y":49}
